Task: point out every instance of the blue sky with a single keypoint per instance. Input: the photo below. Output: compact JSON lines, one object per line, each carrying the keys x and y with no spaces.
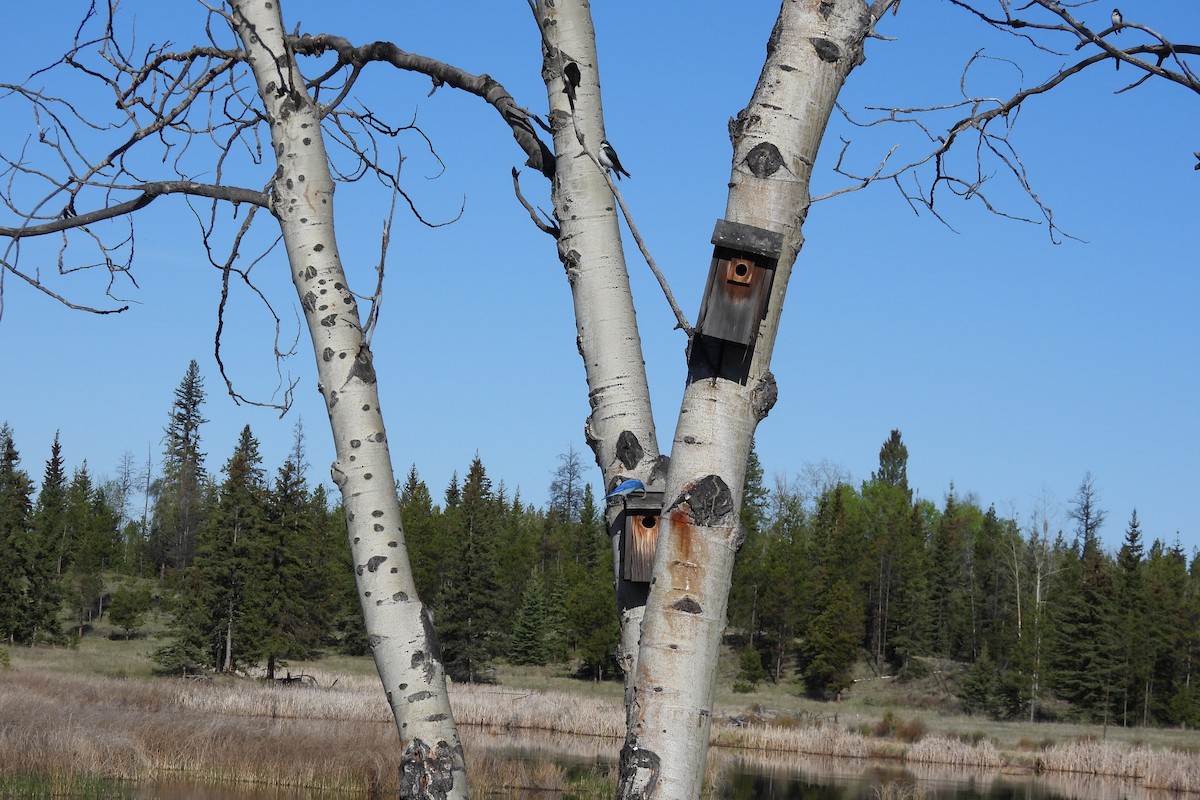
{"x":1011,"y":364}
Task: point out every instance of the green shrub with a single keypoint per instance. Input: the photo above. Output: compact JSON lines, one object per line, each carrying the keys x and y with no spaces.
{"x":913,"y":669}
{"x":750,"y":668}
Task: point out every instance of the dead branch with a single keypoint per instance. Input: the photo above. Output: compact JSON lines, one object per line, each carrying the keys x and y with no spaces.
{"x":483,"y":86}
{"x":84,"y":170}
{"x":551,"y":227}
{"x":989,"y":121}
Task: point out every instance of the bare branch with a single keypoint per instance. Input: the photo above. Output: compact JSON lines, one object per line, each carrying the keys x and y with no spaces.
{"x":550,"y":228}
{"x":680,"y":319}
{"x":376,"y":299}
{"x":147,"y":193}
{"x":989,"y":121}
{"x":483,"y":86}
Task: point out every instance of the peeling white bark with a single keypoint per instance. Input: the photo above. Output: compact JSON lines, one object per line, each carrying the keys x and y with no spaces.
{"x":620,"y":428}
{"x":402,"y":639}
{"x":812,"y":50}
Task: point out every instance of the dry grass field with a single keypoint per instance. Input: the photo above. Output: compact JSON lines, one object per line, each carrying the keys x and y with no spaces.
{"x":96,"y":713}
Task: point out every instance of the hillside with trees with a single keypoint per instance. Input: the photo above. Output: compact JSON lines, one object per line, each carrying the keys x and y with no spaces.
{"x":251,"y":567}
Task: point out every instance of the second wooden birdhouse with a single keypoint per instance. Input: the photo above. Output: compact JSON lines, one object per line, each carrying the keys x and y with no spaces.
{"x":639,"y":535}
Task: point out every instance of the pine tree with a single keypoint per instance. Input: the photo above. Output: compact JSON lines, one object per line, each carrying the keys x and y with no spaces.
{"x":909,"y":630}
{"x":831,"y":644}
{"x":422,"y":535}
{"x":1135,"y":622}
{"x":128,"y":607}
{"x":219,"y":620}
{"x":886,"y":500}
{"x":51,"y":507}
{"x":1084,"y":657}
{"x":90,"y":523}
{"x":469,"y":609}
{"x":893,"y":464}
{"x":528,"y":642}
{"x":178,"y":510}
{"x":294,"y":588}
{"x":16,"y":543}
{"x":48,"y":547}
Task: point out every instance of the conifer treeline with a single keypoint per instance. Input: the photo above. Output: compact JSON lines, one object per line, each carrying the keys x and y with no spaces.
{"x":1048,"y":623}
{"x":253,"y":569}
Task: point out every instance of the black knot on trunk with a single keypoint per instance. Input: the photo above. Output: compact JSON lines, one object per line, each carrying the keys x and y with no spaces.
{"x":364,"y":366}
{"x":763,"y":396}
{"x":825,"y":49}
{"x":629,"y":449}
{"x":764,"y":160}
{"x":710,"y":501}
{"x":687,"y":605}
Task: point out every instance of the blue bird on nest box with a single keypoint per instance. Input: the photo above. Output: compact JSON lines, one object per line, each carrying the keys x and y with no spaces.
{"x":626,"y":488}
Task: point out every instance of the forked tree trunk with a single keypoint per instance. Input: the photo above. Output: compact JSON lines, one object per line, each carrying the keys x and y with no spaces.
{"x":775,"y":140}
{"x":398,"y":626}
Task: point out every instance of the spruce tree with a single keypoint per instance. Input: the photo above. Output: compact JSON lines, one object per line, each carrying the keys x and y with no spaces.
{"x":295,"y":580}
{"x":1134,"y":619}
{"x":469,"y":609}
{"x":17,"y":622}
{"x":178,"y":509}
{"x":219,"y":619}
{"x":95,"y":546}
{"x":1084,"y":619}
{"x":528,"y":642}
{"x":832,"y":641}
{"x":49,"y":546}
{"x":422,"y":535}
{"x":50,"y":510}
{"x":893,"y":464}
{"x":589,"y":600}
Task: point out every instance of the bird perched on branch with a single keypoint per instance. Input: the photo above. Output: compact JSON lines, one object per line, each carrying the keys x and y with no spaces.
{"x":626,"y":488}
{"x":609,"y":160}
{"x":1117,"y":20}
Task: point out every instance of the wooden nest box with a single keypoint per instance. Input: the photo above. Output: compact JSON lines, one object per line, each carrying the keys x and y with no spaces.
{"x":638,"y":528}
{"x":739,"y":281}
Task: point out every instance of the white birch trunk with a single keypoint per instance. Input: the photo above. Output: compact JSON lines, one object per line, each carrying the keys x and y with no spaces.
{"x":399,"y":628}
{"x":775,"y":140}
{"x":620,"y":428}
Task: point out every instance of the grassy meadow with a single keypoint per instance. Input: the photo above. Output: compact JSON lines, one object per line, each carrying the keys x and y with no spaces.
{"x":95,"y":713}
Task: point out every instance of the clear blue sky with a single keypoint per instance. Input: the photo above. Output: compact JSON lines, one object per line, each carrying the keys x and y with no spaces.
{"x":1012,"y":365}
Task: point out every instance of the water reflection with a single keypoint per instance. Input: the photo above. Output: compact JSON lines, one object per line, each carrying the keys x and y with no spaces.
{"x":739,"y":776}
{"x":794,"y":777}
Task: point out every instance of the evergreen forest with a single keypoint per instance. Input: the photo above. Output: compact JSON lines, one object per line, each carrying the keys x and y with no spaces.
{"x":249,"y":564}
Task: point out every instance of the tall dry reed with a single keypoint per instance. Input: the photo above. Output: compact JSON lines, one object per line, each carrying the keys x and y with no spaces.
{"x":954,"y":752}
{"x":1154,"y":767}
{"x":341,"y":736}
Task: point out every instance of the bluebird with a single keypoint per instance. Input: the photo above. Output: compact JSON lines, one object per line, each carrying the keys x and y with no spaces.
{"x":609,"y":160}
{"x":1117,"y":20}
{"x":626,"y":488}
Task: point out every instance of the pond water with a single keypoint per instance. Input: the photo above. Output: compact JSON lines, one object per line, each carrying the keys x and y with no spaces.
{"x":808,"y":778}
{"x":741,"y":776}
